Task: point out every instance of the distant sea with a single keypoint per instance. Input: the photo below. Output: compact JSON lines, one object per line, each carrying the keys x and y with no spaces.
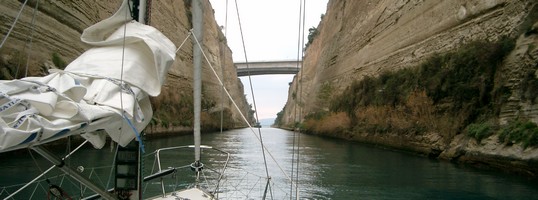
{"x":267,"y":122}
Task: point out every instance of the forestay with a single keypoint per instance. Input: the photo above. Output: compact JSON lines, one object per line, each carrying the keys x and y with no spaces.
{"x":106,"y":88}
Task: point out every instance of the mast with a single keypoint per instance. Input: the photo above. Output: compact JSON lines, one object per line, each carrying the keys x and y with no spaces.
{"x":142,"y":12}
{"x":197,"y":15}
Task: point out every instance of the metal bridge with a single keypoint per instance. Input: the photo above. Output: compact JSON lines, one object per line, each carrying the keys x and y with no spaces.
{"x":268,"y":67}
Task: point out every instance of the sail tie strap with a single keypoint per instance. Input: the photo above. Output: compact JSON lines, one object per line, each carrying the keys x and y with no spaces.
{"x":10,"y":102}
{"x":139,"y":116}
{"x":21,"y":116}
{"x":135,"y":130}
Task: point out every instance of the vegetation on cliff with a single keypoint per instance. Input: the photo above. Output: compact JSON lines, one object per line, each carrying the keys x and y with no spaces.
{"x":313,"y":32}
{"x":13,"y":65}
{"x":449,"y":94}
{"x":8,"y":66}
{"x":58,"y":61}
{"x":174,"y":109}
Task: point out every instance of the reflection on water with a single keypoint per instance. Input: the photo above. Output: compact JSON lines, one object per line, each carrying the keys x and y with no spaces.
{"x":329,"y":169}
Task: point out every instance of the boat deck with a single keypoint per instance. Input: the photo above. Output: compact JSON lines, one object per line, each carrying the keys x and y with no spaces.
{"x":191,"y":194}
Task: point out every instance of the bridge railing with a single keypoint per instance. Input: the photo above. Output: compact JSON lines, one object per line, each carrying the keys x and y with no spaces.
{"x":267,"y":67}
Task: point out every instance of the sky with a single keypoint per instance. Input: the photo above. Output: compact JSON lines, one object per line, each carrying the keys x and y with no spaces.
{"x":271,"y":33}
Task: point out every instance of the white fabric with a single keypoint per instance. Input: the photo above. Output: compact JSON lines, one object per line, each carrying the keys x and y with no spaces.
{"x":143,"y":51}
{"x":89,"y":95}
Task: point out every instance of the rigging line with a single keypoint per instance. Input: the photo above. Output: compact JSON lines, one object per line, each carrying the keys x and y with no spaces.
{"x":223,"y":60}
{"x":240,"y":113}
{"x":122,"y":65}
{"x":251,"y":88}
{"x":13,"y":25}
{"x":185,"y":40}
{"x":246,"y":61}
{"x":112,"y":168}
{"x":45,"y":172}
{"x":35,"y":161}
{"x":294,"y":142}
{"x":298,"y":88}
{"x":19,"y":60}
{"x":300,"y":92}
{"x":226,"y":20}
{"x":31,"y":38}
{"x":122,"y":83}
{"x":68,"y":148}
{"x":222,"y":72}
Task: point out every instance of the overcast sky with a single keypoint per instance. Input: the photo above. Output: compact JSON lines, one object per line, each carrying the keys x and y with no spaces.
{"x":271,"y":33}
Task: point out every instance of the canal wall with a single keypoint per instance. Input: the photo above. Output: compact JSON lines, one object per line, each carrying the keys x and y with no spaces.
{"x":56,"y":42}
{"x":359,"y":40}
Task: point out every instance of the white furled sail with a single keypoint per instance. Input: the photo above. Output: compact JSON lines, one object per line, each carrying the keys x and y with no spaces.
{"x":106,"y":88}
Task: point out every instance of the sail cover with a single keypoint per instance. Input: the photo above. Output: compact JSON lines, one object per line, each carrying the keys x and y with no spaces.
{"x":105,"y":91}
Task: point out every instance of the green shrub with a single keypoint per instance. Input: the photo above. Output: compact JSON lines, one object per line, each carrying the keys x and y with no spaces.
{"x":325,"y":93}
{"x":479,"y":131}
{"x":5,"y":70}
{"x":461,"y":85}
{"x":317,"y":115}
{"x":12,"y":64}
{"x":525,"y":132}
{"x":312,"y":33}
{"x":279,"y":115}
{"x":58,"y":61}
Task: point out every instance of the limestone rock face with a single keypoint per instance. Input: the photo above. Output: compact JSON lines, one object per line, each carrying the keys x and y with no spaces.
{"x":57,"y":27}
{"x":521,"y":64}
{"x":363,"y":38}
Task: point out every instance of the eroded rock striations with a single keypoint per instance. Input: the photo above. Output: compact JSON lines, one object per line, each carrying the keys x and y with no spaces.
{"x":52,"y":38}
{"x":358,"y":39}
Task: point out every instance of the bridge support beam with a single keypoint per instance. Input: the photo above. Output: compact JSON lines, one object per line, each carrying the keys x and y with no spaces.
{"x":268,"y":67}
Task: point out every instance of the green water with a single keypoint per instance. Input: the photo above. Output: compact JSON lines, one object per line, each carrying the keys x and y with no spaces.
{"x":328,"y":169}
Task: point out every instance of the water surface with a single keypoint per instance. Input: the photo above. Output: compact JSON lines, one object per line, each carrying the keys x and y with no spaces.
{"x":328,"y":169}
